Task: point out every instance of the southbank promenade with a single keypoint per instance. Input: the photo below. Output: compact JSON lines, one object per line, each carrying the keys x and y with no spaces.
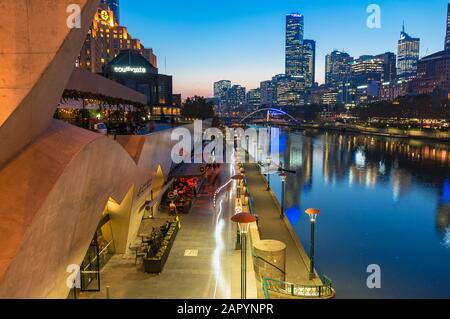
{"x":271,"y":226}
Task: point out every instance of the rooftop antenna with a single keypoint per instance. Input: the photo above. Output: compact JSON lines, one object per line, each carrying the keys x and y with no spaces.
{"x":403,"y":26}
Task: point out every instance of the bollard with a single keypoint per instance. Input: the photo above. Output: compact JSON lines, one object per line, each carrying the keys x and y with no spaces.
{"x":108,"y":293}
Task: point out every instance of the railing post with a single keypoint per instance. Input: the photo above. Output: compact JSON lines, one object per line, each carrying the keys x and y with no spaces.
{"x":292,"y":289}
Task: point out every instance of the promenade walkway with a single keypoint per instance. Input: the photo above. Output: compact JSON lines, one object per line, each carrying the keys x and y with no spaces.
{"x":203,"y":262}
{"x":272,"y":227}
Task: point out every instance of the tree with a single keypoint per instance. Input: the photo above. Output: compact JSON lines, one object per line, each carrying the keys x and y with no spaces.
{"x":197,"y":107}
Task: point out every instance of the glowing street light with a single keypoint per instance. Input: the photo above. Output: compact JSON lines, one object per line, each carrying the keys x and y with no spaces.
{"x":243,"y":220}
{"x":312,"y":213}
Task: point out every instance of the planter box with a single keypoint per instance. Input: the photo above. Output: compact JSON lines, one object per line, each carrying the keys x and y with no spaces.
{"x":156,"y":264}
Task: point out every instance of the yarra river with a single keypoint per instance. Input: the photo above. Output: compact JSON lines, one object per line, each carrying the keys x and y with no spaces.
{"x":383,"y":201}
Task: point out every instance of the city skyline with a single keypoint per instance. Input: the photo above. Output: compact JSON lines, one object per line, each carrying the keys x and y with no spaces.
{"x":247,"y":47}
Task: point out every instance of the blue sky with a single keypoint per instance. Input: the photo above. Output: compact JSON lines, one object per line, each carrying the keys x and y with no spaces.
{"x":243,"y":40}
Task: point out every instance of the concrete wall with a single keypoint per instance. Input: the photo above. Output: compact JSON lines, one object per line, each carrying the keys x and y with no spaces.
{"x":37,"y":55}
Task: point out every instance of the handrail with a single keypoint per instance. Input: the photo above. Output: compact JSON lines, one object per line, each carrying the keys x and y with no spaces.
{"x":295,"y":290}
{"x":267,"y":262}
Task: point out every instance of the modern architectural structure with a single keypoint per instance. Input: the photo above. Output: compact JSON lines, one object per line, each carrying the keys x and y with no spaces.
{"x":268,"y":94}
{"x":294,"y":44}
{"x":220,"y":89}
{"x":389,"y":66}
{"x":131,"y":69}
{"x":433,"y":74}
{"x":337,"y":68}
{"x":447,"y":35}
{"x":60,"y":184}
{"x":309,"y":54}
{"x":254,"y":98}
{"x":105,"y":40}
{"x":407,"y":56}
{"x":366,"y":69}
{"x":235,"y":97}
{"x":290,"y":90}
{"x":114,"y":7}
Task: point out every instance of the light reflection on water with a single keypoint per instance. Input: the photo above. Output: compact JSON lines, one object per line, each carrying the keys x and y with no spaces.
{"x":383,"y":201}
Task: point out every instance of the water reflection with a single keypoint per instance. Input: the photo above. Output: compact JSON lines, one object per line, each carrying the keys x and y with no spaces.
{"x":381,"y":198}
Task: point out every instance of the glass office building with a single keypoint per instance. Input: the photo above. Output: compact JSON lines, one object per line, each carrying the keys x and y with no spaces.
{"x":294,"y":44}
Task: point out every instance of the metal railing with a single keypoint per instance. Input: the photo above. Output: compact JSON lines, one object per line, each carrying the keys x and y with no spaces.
{"x":301,"y":291}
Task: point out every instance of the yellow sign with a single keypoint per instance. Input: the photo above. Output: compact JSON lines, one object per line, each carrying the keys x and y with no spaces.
{"x":104,"y":15}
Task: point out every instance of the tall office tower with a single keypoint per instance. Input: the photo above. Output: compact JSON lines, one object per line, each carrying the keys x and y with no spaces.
{"x":309,"y":53}
{"x":367,"y":69}
{"x":235,"y":97}
{"x":447,"y":36}
{"x":114,"y":7}
{"x":337,"y":68}
{"x":290,"y":90}
{"x":268,"y":94}
{"x":220,"y":89}
{"x":294,"y":44}
{"x":389,"y":65}
{"x":407,"y":57}
{"x":254,"y":99}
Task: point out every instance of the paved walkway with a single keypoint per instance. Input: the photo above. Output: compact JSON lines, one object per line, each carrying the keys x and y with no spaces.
{"x":272,"y":227}
{"x":208,"y":234}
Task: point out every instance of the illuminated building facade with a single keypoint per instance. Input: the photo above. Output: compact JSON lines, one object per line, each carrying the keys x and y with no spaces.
{"x":268,"y":94}
{"x":337,"y":68}
{"x":105,"y":40}
{"x":366,"y":69}
{"x":289,"y":90}
{"x":407,"y":57}
{"x":254,"y":98}
{"x":294,"y":44}
{"x":220,"y":89}
{"x":309,"y":53}
{"x":235,"y":97}
{"x":134,"y":71}
{"x":433,"y":73}
{"x":114,"y":7}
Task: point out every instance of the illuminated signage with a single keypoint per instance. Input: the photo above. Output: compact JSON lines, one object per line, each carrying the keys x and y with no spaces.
{"x":104,"y":15}
{"x":130,"y":69}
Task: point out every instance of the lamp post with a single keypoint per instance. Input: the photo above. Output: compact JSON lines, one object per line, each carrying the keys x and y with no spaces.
{"x":243,"y":220}
{"x":269,"y":162}
{"x":312,"y":213}
{"x":238,"y":178}
{"x":283,"y":177}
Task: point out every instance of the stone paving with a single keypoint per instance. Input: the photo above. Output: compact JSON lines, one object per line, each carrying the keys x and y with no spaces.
{"x":212,"y":267}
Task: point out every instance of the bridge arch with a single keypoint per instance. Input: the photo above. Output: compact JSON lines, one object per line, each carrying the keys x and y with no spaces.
{"x":269,"y":109}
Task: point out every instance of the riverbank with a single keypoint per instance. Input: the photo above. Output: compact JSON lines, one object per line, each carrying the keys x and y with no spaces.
{"x":384,"y":132}
{"x":271,"y":226}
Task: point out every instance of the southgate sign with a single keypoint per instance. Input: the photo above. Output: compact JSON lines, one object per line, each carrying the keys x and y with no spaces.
{"x":130,"y":69}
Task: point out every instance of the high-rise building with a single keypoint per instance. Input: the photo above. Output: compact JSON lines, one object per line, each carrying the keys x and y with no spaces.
{"x":114,"y":7}
{"x":220,"y":89}
{"x":447,"y":36}
{"x":389,"y":66}
{"x":337,"y":68}
{"x":433,"y":73}
{"x":407,"y":56}
{"x":254,"y":99}
{"x":268,"y":94}
{"x":105,"y":40}
{"x":366,"y":69}
{"x":235,"y":97}
{"x":309,"y":53}
{"x":294,"y":44}
{"x":290,"y":90}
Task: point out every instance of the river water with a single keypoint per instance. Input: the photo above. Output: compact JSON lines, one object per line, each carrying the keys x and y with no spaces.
{"x":383,"y":202}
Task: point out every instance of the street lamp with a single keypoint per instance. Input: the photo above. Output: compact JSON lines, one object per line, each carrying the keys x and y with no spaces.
{"x":243,"y":220}
{"x":312,"y":213}
{"x":269,"y":162}
{"x":238,"y":178}
{"x":283,"y":177}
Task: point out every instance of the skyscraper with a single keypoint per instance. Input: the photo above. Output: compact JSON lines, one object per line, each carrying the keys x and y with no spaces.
{"x":268,"y":94}
{"x":389,"y":66}
{"x":447,"y":36}
{"x":309,"y":53}
{"x":408,"y":56}
{"x":294,"y":44}
{"x":337,"y":68}
{"x":220,"y":89}
{"x":114,"y":7}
